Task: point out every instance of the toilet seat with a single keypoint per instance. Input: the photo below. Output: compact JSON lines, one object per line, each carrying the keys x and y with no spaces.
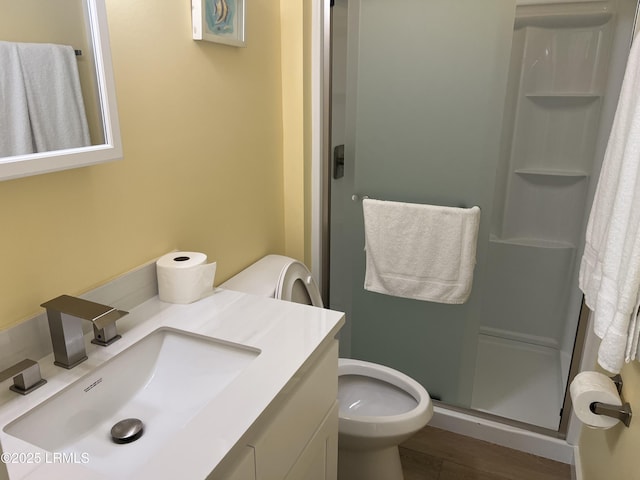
{"x":352,"y":423}
{"x":296,"y":284}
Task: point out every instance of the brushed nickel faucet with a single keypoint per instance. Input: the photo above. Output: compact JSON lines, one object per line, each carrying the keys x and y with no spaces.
{"x":65,"y":314}
{"x":26,"y":376}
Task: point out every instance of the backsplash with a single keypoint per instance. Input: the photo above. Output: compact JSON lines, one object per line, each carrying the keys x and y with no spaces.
{"x":30,"y":339}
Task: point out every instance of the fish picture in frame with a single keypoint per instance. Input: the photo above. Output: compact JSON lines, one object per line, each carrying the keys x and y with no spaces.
{"x":220,"y":21}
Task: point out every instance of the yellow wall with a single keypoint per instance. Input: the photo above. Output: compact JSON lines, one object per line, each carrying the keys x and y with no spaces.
{"x":202,"y":130}
{"x":293,"y":121}
{"x":613,"y":454}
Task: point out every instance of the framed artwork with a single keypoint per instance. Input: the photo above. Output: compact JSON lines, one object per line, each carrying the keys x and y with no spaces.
{"x":220,"y":21}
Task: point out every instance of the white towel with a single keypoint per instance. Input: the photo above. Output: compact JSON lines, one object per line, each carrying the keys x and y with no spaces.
{"x":54,"y":96}
{"x":15,"y":128}
{"x":610,"y":267}
{"x":423,"y":252}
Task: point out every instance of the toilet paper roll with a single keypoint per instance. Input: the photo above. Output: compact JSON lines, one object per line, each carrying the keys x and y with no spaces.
{"x":589,"y":387}
{"x":184,"y":277}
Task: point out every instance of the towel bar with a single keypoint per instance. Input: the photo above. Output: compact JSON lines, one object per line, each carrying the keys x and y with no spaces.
{"x":356,"y":197}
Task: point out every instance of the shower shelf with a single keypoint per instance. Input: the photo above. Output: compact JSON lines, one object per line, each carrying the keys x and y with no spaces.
{"x":564,"y":100}
{"x":551,"y":95}
{"x":556,"y":16}
{"x":542,"y":172}
{"x":532,"y":242}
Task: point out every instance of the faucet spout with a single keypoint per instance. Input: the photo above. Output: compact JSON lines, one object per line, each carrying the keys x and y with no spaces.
{"x":65,"y":314}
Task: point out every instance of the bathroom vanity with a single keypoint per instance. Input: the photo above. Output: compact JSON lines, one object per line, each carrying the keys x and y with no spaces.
{"x":297,"y":436}
{"x":249,"y":386}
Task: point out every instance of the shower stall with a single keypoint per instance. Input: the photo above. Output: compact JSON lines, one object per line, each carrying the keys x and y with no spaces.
{"x":503,"y":104}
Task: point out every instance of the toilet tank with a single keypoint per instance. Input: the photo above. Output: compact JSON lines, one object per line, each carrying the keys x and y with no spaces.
{"x":278,"y":277}
{"x":261,"y":278}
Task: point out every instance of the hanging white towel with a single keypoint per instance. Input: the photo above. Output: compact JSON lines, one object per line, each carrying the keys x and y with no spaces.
{"x":15,"y":128}
{"x":610,"y":267}
{"x":423,"y":252}
{"x":54,"y":96}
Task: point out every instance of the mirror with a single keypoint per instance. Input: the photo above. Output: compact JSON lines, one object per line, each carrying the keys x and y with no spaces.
{"x":81,"y":24}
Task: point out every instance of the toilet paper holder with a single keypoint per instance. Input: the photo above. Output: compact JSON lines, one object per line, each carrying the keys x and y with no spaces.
{"x":619,"y":412}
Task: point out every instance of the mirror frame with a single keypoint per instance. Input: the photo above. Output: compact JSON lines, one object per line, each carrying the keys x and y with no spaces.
{"x":45,"y":162}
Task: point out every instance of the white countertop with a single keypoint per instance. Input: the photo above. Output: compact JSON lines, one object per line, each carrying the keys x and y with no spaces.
{"x":285,"y":333}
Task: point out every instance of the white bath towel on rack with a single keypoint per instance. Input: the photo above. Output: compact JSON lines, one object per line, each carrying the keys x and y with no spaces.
{"x":423,"y":252}
{"x":610,"y":267}
{"x":15,"y":128}
{"x":54,"y":95}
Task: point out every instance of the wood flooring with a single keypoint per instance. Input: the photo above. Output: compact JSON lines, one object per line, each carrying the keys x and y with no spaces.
{"x":434,"y":454}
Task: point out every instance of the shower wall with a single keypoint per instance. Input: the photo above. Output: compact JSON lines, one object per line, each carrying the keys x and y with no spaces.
{"x":564,"y":78}
{"x":558,"y":73}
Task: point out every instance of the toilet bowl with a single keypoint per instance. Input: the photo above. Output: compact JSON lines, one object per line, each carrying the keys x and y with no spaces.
{"x":379,"y":407}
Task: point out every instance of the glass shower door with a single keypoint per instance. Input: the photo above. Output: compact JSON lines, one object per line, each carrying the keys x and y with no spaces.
{"x":425,"y":85}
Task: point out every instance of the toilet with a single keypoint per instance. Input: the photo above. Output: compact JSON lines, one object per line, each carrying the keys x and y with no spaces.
{"x":379,"y":407}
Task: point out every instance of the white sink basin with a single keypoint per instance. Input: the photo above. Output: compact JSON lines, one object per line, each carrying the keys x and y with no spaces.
{"x":164,"y":380}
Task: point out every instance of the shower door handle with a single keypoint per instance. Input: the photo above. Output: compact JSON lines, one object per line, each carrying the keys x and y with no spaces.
{"x":338,"y":161}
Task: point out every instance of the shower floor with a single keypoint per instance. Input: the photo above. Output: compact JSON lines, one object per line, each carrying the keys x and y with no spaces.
{"x":519,"y":381}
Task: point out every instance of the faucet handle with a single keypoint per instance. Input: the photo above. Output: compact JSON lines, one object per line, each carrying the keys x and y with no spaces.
{"x":105,"y":331}
{"x":26,"y":376}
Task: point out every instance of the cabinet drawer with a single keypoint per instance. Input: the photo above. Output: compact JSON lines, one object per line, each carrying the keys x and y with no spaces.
{"x":319,"y":460}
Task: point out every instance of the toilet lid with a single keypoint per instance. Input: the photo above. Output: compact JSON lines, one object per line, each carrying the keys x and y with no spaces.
{"x":297,"y":285}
